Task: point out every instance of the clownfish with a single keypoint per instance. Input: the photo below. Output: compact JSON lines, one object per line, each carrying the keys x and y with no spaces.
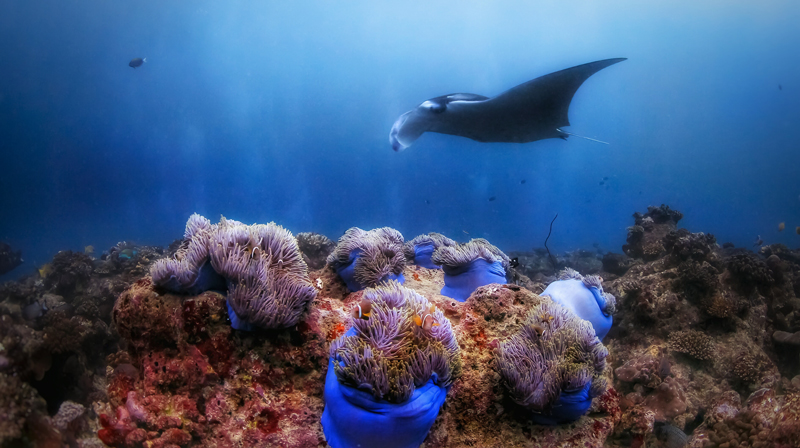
{"x":362,"y":310}
{"x":422,"y":321}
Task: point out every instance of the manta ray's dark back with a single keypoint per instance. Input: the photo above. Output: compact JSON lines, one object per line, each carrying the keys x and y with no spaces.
{"x":531,"y":111}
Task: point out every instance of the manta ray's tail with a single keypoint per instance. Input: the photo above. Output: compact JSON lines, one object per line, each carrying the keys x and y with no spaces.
{"x":581,"y":136}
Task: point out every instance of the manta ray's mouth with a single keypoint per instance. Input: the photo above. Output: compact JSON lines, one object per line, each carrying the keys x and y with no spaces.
{"x":397,"y":145}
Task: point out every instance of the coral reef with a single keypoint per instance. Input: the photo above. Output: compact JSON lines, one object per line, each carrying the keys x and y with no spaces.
{"x":584,"y":297}
{"x":469,"y":266}
{"x":645,"y":236}
{"x":553,"y":367}
{"x":55,"y":335}
{"x":366,"y":258}
{"x":389,"y":374}
{"x":315,"y":249}
{"x":704,"y":346}
{"x":9,"y":259}
{"x":419,"y":250}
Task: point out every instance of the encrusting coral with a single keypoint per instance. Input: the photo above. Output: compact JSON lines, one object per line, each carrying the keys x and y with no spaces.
{"x":366,"y":258}
{"x":469,"y":266}
{"x":419,"y":250}
{"x":389,"y":374}
{"x":553,"y":366}
{"x":584,"y":296}
{"x":260,"y":265}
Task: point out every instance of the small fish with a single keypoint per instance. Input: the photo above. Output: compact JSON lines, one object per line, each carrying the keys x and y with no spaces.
{"x":127,"y":253}
{"x":362,"y":310}
{"x":424,"y":322}
{"x":780,"y":87}
{"x":781,"y":226}
{"x":137,"y":62}
{"x":797,"y":230}
{"x":670,"y":435}
{"x":514,"y":262}
{"x":492,"y":198}
{"x":45,"y":270}
{"x":465,"y":232}
{"x":427,"y":202}
{"x":605,"y":177}
{"x":88,"y":250}
{"x":759,"y":241}
{"x":32,"y":311}
{"x":602,"y":182}
{"x":523,"y":181}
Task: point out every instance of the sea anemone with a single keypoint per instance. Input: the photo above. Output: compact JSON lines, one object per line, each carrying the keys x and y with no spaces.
{"x":389,"y":374}
{"x":584,"y":296}
{"x":188,"y":271}
{"x":267,"y":279}
{"x":469,"y":266}
{"x":553,"y":366}
{"x":259,"y":265}
{"x":367,"y":258}
{"x":420,"y":249}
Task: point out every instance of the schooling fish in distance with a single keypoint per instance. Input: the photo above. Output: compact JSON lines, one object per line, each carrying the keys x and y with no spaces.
{"x":531,"y":111}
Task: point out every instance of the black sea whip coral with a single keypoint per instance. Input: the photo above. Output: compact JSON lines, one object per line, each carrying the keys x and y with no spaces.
{"x":553,"y":366}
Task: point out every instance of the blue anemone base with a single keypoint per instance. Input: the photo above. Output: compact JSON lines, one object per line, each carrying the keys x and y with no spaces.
{"x":347,"y":274}
{"x":569,"y":407}
{"x":460,"y":283}
{"x":586,"y":303}
{"x":422,"y":256}
{"x":207,"y":280}
{"x":238,"y":323}
{"x":354,"y":418}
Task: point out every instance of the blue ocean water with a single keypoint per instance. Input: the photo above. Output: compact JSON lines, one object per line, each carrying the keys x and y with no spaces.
{"x":280,"y":111}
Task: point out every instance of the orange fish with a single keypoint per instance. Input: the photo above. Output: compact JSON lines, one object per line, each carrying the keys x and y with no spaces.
{"x":362,"y":310}
{"x":422,"y":321}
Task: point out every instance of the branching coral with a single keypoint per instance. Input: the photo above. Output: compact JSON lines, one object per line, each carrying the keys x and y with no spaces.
{"x":693,"y":343}
{"x":366,"y":258}
{"x":553,"y":366}
{"x":389,"y":374}
{"x":584,"y":296}
{"x":469,"y":266}
{"x":748,"y":366}
{"x":420,"y":249}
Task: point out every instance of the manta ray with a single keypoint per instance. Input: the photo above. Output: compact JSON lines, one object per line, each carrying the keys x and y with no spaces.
{"x":531,"y":111}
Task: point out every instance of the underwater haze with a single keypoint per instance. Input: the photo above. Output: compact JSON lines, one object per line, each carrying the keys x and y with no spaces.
{"x":281,"y":111}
